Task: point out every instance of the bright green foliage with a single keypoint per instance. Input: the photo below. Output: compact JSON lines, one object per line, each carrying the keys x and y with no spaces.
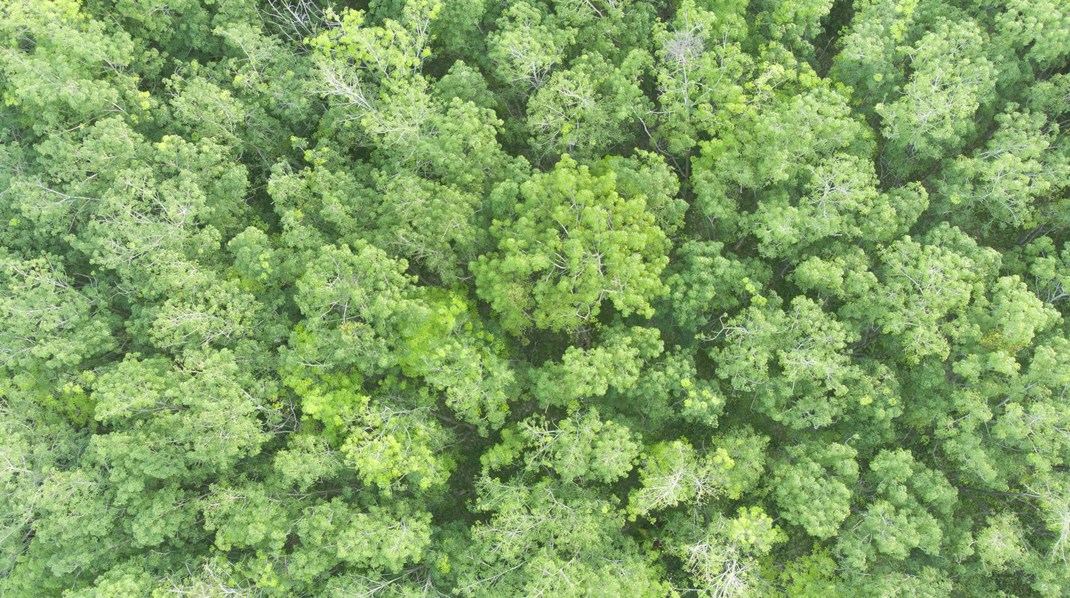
{"x":554,"y":539}
{"x":722,"y":558}
{"x":405,"y":298}
{"x":449,"y":349}
{"x":387,"y":439}
{"x":1042,"y":28}
{"x":382,"y":539}
{"x":364,"y":66}
{"x":673,"y":473}
{"x":813,"y":486}
{"x":591,"y":373}
{"x":804,"y":346}
{"x":906,"y":513}
{"x":526,"y":47}
{"x":935,"y":113}
{"x":577,"y":448}
{"x":1017,"y":179}
{"x":572,"y":243}
{"x":47,"y":325}
{"x":924,"y":284}
{"x":586,"y":109}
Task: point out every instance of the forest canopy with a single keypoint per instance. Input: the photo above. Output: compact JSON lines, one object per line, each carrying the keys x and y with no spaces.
{"x":534,"y":298}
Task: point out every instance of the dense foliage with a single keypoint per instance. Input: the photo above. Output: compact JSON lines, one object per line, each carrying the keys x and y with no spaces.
{"x":534,"y":298}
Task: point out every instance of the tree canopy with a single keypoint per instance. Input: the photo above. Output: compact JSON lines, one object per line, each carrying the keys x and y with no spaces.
{"x":655,"y":298}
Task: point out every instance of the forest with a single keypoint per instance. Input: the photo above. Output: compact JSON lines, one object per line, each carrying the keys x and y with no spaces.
{"x":560,"y":298}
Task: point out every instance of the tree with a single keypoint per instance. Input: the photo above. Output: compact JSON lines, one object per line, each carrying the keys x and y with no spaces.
{"x":792,"y":362}
{"x":580,"y":448}
{"x":47,"y":324}
{"x":616,"y":363}
{"x":1039,"y":28}
{"x":525,"y":49}
{"x":587,"y":109}
{"x":1016,"y":181}
{"x":62,"y":68}
{"x":698,"y":62}
{"x":572,"y":243}
{"x":673,"y":473}
{"x":535,"y":298}
{"x":934,"y":115}
{"x":724,"y":561}
{"x":551,"y":538}
{"x":813,"y":486}
{"x":905,"y":514}
{"x":924,"y":284}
